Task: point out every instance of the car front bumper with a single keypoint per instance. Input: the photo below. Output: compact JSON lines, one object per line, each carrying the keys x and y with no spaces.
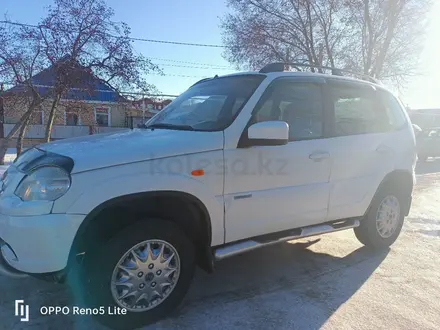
{"x":36,"y":244}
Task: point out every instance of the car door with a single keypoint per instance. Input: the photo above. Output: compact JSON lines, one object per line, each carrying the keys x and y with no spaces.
{"x":363,"y":146}
{"x":274,"y":188}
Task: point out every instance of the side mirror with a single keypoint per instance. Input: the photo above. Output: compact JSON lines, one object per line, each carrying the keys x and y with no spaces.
{"x":268,"y":133}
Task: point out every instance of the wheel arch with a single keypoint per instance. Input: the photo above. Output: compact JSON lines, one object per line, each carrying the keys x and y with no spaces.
{"x":182,"y":208}
{"x":403,"y":181}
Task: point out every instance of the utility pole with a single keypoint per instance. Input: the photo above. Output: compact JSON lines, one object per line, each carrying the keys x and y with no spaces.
{"x":2,"y":112}
{"x":2,"y":118}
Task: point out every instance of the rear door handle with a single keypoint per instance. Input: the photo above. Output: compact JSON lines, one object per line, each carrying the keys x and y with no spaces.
{"x":383,"y":149}
{"x":319,"y":156}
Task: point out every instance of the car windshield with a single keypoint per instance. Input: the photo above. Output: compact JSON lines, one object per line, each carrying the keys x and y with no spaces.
{"x":209,"y":105}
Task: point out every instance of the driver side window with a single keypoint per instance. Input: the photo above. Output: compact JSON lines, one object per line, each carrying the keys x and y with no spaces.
{"x":298,"y":104}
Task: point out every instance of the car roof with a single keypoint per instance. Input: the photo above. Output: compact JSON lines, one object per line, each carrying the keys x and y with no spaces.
{"x":307,"y":74}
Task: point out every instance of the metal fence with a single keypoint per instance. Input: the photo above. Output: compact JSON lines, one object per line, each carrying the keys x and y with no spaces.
{"x":62,"y":131}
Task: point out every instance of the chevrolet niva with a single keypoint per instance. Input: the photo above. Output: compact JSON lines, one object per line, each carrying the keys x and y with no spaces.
{"x":235,"y":163}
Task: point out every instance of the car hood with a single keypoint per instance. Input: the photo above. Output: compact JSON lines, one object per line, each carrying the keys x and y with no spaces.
{"x":110,"y":149}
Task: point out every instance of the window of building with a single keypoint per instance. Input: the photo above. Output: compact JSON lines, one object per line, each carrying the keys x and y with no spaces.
{"x":298,"y":104}
{"x":358,"y":111}
{"x":102,"y":116}
{"x":72,"y":118}
{"x":37,"y":117}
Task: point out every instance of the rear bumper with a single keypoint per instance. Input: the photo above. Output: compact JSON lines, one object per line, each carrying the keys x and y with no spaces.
{"x":37,"y":244}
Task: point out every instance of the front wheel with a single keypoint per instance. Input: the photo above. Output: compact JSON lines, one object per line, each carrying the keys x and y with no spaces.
{"x":146,"y":269}
{"x":384,"y":220}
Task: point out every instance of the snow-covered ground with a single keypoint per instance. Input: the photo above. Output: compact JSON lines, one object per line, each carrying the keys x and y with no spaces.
{"x":329,"y":284}
{"x":10,"y":156}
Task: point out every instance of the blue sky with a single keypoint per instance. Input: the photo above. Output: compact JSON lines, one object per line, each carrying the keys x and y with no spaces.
{"x":198,"y":21}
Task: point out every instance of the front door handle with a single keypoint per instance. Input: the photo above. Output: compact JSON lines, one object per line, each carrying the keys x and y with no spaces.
{"x":319,"y":156}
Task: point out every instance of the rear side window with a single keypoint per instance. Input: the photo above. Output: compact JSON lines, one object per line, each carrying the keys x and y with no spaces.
{"x":394,"y":109}
{"x":358,"y":111}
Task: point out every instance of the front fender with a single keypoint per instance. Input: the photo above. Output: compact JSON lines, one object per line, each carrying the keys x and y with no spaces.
{"x":106,"y":184}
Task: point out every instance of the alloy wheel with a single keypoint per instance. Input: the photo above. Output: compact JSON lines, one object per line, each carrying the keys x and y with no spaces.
{"x":145,"y":276}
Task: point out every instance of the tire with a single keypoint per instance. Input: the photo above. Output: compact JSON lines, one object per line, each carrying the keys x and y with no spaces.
{"x":99,"y":269}
{"x":368,"y":231}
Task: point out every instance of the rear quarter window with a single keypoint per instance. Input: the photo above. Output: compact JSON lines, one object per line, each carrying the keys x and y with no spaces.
{"x":394,"y":109}
{"x":357,"y":110}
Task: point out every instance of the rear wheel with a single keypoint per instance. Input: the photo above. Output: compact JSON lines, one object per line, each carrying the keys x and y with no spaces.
{"x":384,"y":220}
{"x":145,"y":269}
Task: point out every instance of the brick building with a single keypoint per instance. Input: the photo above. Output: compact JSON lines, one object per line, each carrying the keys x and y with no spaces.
{"x":425,"y":118}
{"x":90,"y":107}
{"x":144,"y":109}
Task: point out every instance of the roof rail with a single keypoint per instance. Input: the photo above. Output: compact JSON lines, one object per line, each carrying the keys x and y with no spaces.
{"x":202,"y":80}
{"x":281,"y":67}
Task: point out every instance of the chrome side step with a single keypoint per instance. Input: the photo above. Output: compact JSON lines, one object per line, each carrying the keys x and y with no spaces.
{"x":233,"y":249}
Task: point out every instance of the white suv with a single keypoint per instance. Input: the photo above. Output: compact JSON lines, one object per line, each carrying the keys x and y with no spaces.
{"x":234,"y":163}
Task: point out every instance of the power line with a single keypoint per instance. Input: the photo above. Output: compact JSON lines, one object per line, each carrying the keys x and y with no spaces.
{"x":105,"y":91}
{"x":152,"y":95}
{"x":176,"y":43}
{"x":131,"y":38}
{"x":149,"y":74}
{"x":187,"y":62}
{"x":19,"y":24}
{"x":176,"y":75}
{"x":193,"y":67}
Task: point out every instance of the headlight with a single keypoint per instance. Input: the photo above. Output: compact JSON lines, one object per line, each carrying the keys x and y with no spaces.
{"x":45,"y":183}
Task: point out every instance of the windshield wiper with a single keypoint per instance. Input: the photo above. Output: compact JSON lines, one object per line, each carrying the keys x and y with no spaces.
{"x":171,"y":126}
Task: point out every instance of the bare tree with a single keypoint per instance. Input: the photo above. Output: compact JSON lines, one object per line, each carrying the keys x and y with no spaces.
{"x":260,"y":31}
{"x":20,"y":60}
{"x":390,"y":36}
{"x":381,"y":38}
{"x":81,"y":44}
{"x":80,"y":39}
